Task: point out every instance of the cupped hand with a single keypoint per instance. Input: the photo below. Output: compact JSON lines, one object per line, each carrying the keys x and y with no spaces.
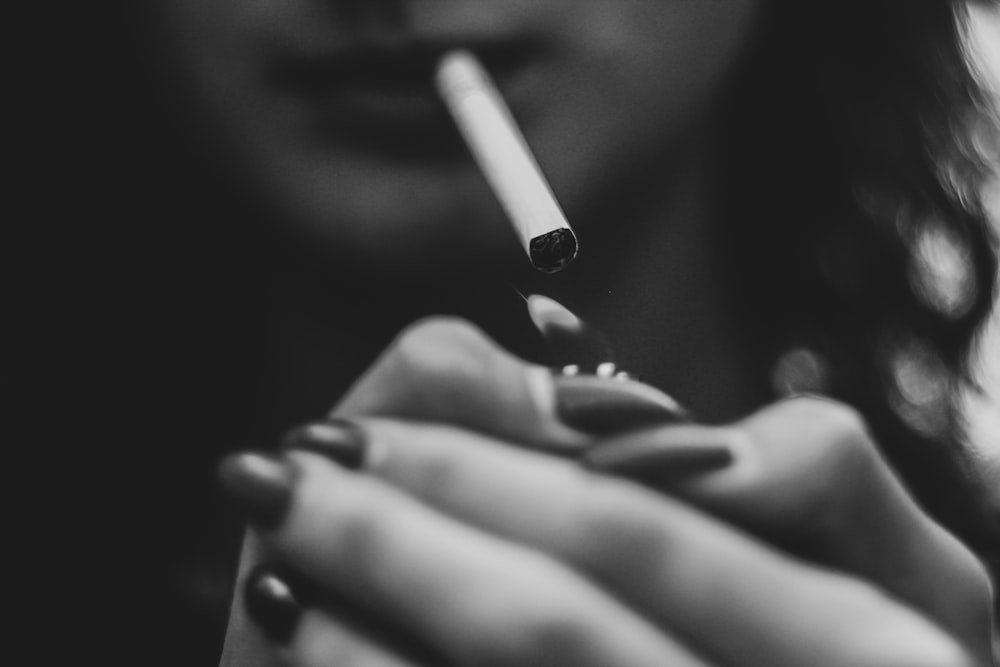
{"x":442,"y":512}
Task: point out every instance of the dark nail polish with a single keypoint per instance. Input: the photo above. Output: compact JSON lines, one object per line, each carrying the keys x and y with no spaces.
{"x":339,"y":440}
{"x":571,"y":341}
{"x":604,"y":406}
{"x":260,"y":485}
{"x":272,"y":604}
{"x":662,"y":453}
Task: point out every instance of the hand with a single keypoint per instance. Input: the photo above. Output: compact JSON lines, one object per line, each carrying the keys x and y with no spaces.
{"x":496,"y":554}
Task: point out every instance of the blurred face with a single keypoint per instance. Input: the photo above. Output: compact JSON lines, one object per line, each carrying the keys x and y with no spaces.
{"x":328,"y":107}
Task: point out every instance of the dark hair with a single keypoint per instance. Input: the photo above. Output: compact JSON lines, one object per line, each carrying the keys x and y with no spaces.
{"x":860,"y":142}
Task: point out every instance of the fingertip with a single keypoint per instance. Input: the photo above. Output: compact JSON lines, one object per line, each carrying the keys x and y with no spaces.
{"x":272,"y":604}
{"x":339,"y":440}
{"x":260,"y":485}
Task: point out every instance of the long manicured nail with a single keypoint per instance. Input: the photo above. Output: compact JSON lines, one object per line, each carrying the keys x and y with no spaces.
{"x":679,"y":451}
{"x":339,"y":440}
{"x":260,"y":485}
{"x":571,"y":341}
{"x":603,"y":406}
{"x":272,"y":604}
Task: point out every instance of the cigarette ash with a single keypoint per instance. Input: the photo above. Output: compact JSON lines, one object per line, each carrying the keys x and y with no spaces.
{"x":553,"y":251}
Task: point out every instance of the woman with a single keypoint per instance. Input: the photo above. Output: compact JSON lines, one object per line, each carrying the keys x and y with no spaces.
{"x":754,"y":186}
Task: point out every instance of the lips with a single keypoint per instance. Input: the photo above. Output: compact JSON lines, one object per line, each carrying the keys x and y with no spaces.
{"x":383,"y":96}
{"x":408,"y":65}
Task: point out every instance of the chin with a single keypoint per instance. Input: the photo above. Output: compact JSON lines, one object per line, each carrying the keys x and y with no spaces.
{"x":401,"y":223}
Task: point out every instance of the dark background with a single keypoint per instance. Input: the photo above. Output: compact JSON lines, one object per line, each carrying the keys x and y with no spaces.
{"x":133,"y":357}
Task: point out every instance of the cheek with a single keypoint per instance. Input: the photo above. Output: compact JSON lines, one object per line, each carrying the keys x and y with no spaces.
{"x":207,"y":48}
{"x":666,"y":55}
{"x":623,"y":79}
{"x":634,"y":78}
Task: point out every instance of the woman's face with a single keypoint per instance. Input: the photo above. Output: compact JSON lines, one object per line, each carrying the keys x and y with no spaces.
{"x":328,"y":106}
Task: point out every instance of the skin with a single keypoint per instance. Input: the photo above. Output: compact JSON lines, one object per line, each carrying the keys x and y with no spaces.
{"x":568,"y":99}
{"x":469,"y":508}
{"x":515,"y":550}
{"x":419,"y":226}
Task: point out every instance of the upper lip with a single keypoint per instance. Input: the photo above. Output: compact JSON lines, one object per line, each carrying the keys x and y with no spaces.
{"x":408,"y":64}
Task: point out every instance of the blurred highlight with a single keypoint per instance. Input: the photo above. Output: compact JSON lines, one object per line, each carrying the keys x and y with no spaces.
{"x":983,"y":408}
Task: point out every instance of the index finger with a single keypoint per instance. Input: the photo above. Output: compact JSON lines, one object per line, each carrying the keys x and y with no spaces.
{"x":445,"y":370}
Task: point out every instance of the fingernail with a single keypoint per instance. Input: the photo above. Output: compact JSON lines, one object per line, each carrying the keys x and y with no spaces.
{"x":272,"y":604}
{"x":680,"y":451}
{"x":339,"y":440}
{"x":260,"y":485}
{"x":571,"y":341}
{"x":603,"y":406}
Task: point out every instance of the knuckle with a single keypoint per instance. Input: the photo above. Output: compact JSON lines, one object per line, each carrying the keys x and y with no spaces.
{"x":614,"y":528}
{"x":842,"y":439}
{"x":424,"y":353}
{"x":827,"y":462}
{"x":436,"y":477}
{"x":435,"y":346}
{"x":433,"y":333}
{"x":548,"y":634}
{"x":358,"y":522}
{"x":334,"y":648}
{"x":358,"y":535}
{"x":537,"y":633}
{"x":872,"y":630}
{"x":530,"y":616}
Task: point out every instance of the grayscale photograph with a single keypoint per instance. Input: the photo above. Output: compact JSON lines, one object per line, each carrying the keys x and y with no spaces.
{"x":520,"y":333}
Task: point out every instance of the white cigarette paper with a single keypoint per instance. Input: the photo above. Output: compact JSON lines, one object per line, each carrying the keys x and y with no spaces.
{"x":503,"y":156}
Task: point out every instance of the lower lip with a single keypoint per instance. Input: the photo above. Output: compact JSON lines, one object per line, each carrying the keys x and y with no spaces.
{"x":397,"y":106}
{"x":396,"y":117}
{"x":395,"y":121}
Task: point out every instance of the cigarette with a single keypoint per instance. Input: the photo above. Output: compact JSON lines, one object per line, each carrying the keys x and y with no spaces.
{"x":503,"y":156}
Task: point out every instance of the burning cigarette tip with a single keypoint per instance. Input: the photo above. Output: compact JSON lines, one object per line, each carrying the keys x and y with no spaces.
{"x":506,"y":162}
{"x":551,"y":252}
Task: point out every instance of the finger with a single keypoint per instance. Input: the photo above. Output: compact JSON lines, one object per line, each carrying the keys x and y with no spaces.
{"x":806,"y":472}
{"x":246,"y":645}
{"x":714,"y":586}
{"x":323,"y":640}
{"x":446,"y":370}
{"x":279,"y":618}
{"x":301,"y":633}
{"x":477,"y":599}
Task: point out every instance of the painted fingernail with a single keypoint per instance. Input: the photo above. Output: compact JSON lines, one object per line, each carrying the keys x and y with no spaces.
{"x":681,"y":451}
{"x":261,"y":485}
{"x":571,"y":341}
{"x":603,"y":406}
{"x":272,"y":604}
{"x":339,"y":440}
